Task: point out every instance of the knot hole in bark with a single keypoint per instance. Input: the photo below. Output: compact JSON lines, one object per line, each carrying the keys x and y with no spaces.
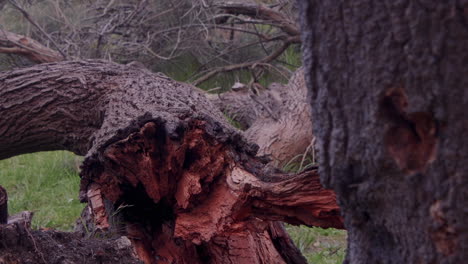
{"x":412,"y":137}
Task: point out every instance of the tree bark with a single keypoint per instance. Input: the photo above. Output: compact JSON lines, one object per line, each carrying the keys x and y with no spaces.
{"x":185,"y":183}
{"x":11,"y":43}
{"x":387,"y":81}
{"x":278,"y":119}
{"x":3,"y":206}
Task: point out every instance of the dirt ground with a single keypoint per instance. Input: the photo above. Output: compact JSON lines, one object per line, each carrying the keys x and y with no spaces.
{"x":19,"y":244}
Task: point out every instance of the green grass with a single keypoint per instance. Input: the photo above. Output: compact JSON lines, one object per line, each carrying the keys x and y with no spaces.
{"x":291,"y":57}
{"x":318,"y":245}
{"x":46,"y":183}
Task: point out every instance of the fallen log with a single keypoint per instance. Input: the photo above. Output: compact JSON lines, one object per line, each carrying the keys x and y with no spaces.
{"x":187,"y":186}
{"x":278,"y":119}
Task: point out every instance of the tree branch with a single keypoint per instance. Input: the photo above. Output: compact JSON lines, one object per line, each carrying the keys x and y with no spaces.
{"x":261,"y":12}
{"x":245,"y":65}
{"x":28,"y":17}
{"x":12,"y":43}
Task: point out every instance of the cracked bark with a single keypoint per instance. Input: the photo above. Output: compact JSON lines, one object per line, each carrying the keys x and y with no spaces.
{"x":191,"y":186}
{"x":387,"y":82}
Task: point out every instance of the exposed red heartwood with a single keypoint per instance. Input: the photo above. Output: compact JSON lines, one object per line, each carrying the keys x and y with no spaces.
{"x":162,"y":166}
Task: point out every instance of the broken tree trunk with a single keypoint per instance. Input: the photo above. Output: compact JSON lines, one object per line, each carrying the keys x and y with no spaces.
{"x":388,"y":83}
{"x":185,"y":183}
{"x":11,"y":43}
{"x":278,"y":119}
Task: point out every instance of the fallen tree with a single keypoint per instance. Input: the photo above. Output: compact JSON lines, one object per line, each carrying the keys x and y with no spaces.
{"x":191,"y":186}
{"x":278,"y":119}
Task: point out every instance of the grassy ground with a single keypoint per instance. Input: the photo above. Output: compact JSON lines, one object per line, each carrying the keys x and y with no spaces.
{"x":47,"y":183}
{"x":319,"y":246}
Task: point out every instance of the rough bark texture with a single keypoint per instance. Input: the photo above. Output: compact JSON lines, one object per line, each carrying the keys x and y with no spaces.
{"x":189,"y":187}
{"x":278,"y":119}
{"x":388,"y":84}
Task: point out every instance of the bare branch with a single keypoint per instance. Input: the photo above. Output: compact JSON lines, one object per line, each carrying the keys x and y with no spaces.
{"x":12,"y":43}
{"x":245,"y":65}
{"x":261,"y":12}
{"x":28,"y":17}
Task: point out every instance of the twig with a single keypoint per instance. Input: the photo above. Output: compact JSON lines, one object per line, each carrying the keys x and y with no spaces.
{"x":311,"y":145}
{"x":227,"y":51}
{"x":269,"y":111}
{"x":244,"y":65}
{"x":34,"y":242}
{"x":262,"y":12}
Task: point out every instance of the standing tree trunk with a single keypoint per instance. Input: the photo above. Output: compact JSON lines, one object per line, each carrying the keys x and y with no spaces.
{"x":188,"y":187}
{"x":388,"y":83}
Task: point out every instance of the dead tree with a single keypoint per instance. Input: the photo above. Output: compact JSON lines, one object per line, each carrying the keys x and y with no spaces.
{"x":284,"y":132}
{"x":245,"y":18}
{"x":217,"y":36}
{"x":388,"y":84}
{"x":278,"y":119}
{"x":191,"y":186}
{"x":11,"y":43}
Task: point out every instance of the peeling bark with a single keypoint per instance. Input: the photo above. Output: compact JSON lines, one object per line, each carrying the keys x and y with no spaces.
{"x":190,"y":185}
{"x":388,"y":86}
